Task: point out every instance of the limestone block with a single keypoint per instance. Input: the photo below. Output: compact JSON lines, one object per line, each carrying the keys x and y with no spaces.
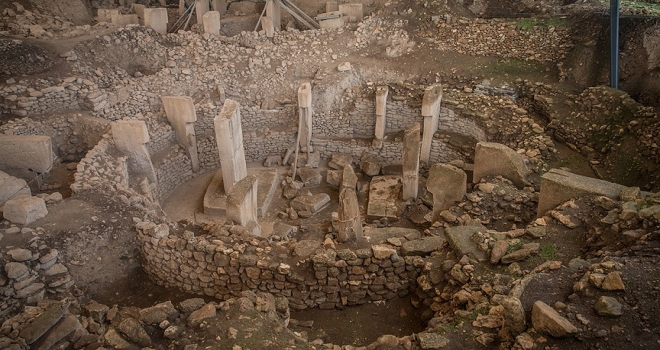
{"x":139,"y":10}
{"x":370,"y":165}
{"x":492,"y":159}
{"x":180,"y":111}
{"x":448,"y":185}
{"x":212,"y":23}
{"x":354,"y":12}
{"x":385,"y":198}
{"x":332,"y":23}
{"x":312,"y":203}
{"x":340,"y":160}
{"x":559,"y":186}
{"x":331,"y":6}
{"x":26,"y":152}
{"x":25,"y":210}
{"x":124,"y":20}
{"x":242,"y":204}
{"x":422,"y":247}
{"x":460,"y":239}
{"x":105,"y":15}
{"x":546,"y":320}
{"x":310,"y":177}
{"x":156,"y":19}
{"x":12,"y":187}
{"x":381,"y":110}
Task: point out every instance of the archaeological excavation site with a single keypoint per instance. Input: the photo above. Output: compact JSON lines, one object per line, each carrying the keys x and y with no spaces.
{"x":330,"y":175}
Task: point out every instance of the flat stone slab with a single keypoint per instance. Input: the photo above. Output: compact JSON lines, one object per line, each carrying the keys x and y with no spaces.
{"x":559,"y":186}
{"x":460,"y":239}
{"x":422,"y":247}
{"x":215,"y":199}
{"x":312,"y":203}
{"x":380,"y":235}
{"x":26,"y":152}
{"x":491,"y":159}
{"x":25,"y":210}
{"x":339,"y":160}
{"x":385,"y":198}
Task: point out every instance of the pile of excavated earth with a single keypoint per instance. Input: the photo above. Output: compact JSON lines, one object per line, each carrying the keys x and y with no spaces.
{"x":411,"y":175}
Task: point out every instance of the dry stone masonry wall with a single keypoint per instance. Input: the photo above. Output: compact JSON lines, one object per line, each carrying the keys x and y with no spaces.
{"x":327,"y":279}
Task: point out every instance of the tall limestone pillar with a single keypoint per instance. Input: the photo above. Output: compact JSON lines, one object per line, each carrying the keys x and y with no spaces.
{"x":229,"y":137}
{"x":431,"y":113}
{"x":410,"y":179}
{"x":180,"y":111}
{"x":381,"y":111}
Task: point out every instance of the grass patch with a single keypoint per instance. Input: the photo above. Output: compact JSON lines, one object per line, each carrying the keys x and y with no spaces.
{"x":529,"y":23}
{"x":649,"y":7}
{"x":548,"y":251}
{"x":515,"y":246}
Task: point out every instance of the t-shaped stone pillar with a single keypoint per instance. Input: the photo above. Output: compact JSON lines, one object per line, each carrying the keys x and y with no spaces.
{"x":448,"y":184}
{"x":130,"y":137}
{"x":156,"y":19}
{"x":201,"y":8}
{"x":273,"y":11}
{"x":381,"y":110}
{"x":305,"y":110}
{"x":229,"y":136}
{"x":180,"y":111}
{"x":242,"y":204}
{"x":411,"y":162}
{"x":431,"y":113}
{"x":350,"y":223}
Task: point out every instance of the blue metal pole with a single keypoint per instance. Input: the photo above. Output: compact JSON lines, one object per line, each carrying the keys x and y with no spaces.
{"x":614,"y":43}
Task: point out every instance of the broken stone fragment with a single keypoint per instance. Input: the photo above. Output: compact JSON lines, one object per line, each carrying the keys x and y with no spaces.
{"x":25,"y":210}
{"x":499,"y":250}
{"x":33,"y":331}
{"x":158,"y":313}
{"x":196,"y":317}
{"x":16,"y":270}
{"x":20,"y":254}
{"x":312,"y":203}
{"x":546,"y":320}
{"x":608,"y":306}
{"x":135,"y":332}
{"x":491,"y":159}
{"x":340,"y":160}
{"x":613,"y":282}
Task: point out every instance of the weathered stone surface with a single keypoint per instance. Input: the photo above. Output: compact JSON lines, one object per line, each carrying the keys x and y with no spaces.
{"x":158,"y":313}
{"x":189,"y":305}
{"x":491,"y":159}
{"x":348,"y":178}
{"x":306,"y":247}
{"x":130,"y":137}
{"x":242,"y":204}
{"x":134,"y":331}
{"x":518,"y":255}
{"x":385,"y":198}
{"x":340,"y":160}
{"x":381,"y":235}
{"x":69,"y":324}
{"x":546,"y":320}
{"x":312,"y":203}
{"x":12,"y":187}
{"x":559,"y":186}
{"x":20,"y":254}
{"x":514,"y":313}
{"x":410,"y":178}
{"x":383,"y":251}
{"x":370,"y":165}
{"x":498,"y":251}
{"x":460,"y":239}
{"x":432,"y":340}
{"x":229,"y":139}
{"x":25,"y":210}
{"x":608,"y":306}
{"x":15,"y":270}
{"x":43,"y":323}
{"x":613,"y":282}
{"x":350,"y":224}
{"x":448,"y":185}
{"x":431,"y":113}
{"x":113,"y":339}
{"x":333,"y":178}
{"x":196,"y":317}
{"x":422,"y":247}
{"x":96,"y":311}
{"x":310,"y":177}
{"x":23,"y":152}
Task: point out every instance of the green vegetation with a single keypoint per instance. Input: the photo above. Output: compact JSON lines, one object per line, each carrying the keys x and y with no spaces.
{"x":547,"y":251}
{"x":513,"y":247}
{"x":651,"y":7}
{"x":529,"y":23}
